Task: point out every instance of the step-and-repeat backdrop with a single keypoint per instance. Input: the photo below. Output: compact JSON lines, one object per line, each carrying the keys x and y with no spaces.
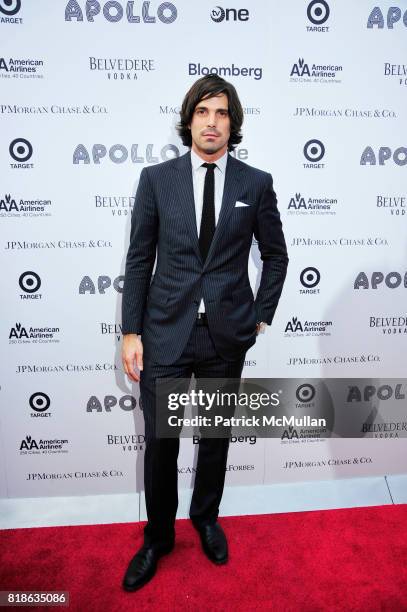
{"x":90,"y":95}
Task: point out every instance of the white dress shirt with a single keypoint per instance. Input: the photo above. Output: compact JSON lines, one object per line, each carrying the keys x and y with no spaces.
{"x":198,"y":180}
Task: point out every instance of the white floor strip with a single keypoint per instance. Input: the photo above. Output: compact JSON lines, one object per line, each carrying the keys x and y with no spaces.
{"x":128,"y":508}
{"x":398,"y":488}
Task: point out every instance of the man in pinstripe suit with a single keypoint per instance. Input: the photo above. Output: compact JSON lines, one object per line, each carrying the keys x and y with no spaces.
{"x":198,"y":213}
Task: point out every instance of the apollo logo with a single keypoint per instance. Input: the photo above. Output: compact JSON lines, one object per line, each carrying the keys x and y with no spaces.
{"x":394,"y":15}
{"x":318,"y":12}
{"x":383,"y":393}
{"x":392,"y":280}
{"x":399,"y":156}
{"x":126,"y":402}
{"x":10,"y":7}
{"x":219,"y":14}
{"x":119,"y":154}
{"x":114,"y":11}
{"x":103,"y":282}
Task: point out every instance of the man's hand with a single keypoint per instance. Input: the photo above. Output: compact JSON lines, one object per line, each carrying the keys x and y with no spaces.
{"x":132,"y":352}
{"x":261,"y":327}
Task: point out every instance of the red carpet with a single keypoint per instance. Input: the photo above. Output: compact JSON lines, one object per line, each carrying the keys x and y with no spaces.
{"x":346,"y":560}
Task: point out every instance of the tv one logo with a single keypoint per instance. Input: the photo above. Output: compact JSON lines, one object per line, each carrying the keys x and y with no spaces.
{"x":119,"y":154}
{"x":393,"y":15}
{"x":114,"y":11}
{"x":219,"y":14}
{"x":399,"y":156}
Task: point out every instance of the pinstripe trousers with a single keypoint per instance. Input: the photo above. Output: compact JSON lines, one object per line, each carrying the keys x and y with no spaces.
{"x":160,"y":462}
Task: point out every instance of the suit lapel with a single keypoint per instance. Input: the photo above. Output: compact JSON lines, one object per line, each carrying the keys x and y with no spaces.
{"x":230,"y":195}
{"x":185,"y":196}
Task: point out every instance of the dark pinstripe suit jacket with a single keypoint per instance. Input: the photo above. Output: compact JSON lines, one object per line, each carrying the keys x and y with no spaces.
{"x":164,"y":219}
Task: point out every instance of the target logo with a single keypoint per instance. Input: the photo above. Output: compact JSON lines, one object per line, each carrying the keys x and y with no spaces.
{"x":309,"y":279}
{"x":29,"y":282}
{"x":10,"y":7}
{"x":39,"y":402}
{"x":21,"y":151}
{"x":314,"y":151}
{"x":318,"y":13}
{"x":219,"y":14}
{"x":305,"y":393}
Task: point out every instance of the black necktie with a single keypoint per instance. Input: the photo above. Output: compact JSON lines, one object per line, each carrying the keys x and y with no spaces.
{"x":208,"y":211}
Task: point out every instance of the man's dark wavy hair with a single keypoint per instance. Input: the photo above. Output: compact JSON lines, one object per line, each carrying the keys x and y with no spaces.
{"x":207,"y":87}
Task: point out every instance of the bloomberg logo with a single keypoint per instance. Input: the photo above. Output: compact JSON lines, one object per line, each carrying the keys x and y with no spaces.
{"x":225,"y":71}
{"x":113,"y":11}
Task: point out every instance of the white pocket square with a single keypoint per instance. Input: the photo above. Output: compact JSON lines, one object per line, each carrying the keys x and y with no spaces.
{"x":240,"y":204}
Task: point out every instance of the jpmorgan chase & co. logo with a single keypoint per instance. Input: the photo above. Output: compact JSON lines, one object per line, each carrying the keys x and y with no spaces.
{"x":114,"y":11}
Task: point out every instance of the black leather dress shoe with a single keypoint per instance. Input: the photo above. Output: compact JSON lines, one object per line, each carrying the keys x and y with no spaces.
{"x":214,"y":543}
{"x":143,"y":566}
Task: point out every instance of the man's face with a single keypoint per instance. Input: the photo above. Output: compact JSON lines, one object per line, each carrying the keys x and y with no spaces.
{"x":210,"y":125}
